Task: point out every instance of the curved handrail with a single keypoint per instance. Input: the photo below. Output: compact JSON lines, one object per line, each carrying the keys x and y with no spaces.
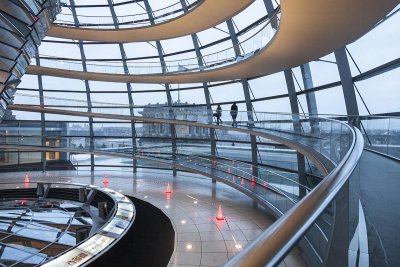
{"x":276,"y":127}
{"x":275,"y":242}
{"x":250,"y":46}
{"x":132,"y":20}
{"x":184,"y":162}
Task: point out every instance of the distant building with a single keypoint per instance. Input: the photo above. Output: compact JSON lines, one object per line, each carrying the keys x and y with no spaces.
{"x":180,"y":111}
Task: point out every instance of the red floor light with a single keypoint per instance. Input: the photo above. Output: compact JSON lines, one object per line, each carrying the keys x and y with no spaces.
{"x":105,"y":180}
{"x":220,"y":215}
{"x":242,"y":183}
{"x":265,"y":183}
{"x":252,"y":181}
{"x":26,"y":178}
{"x":229,"y":170}
{"x":233,"y":179}
{"x":168,"y":191}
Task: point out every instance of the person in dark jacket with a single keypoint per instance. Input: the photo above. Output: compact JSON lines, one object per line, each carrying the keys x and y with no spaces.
{"x":218,"y":114}
{"x":234,"y":113}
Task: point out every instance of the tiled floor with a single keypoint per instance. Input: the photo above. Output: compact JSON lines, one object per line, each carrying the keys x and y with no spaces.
{"x":201,"y":239}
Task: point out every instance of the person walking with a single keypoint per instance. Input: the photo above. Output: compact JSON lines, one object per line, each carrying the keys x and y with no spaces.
{"x":234,"y":113}
{"x":218,"y":114}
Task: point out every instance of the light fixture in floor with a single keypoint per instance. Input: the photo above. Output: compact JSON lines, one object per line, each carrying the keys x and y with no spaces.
{"x":238,"y":246}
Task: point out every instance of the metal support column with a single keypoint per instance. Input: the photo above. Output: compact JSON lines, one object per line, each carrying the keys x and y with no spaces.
{"x":207,"y":95}
{"x":128,"y":86}
{"x":293,"y":97}
{"x":308,"y":84}
{"x":270,"y":11}
{"x":205,"y":85}
{"x":297,"y":127}
{"x":167,"y":87}
{"x":42,"y":115}
{"x":347,"y":86}
{"x":87,"y":87}
{"x":249,"y":105}
{"x":310,"y":96}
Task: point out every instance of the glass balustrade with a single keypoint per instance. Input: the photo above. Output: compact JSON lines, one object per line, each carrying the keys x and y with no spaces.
{"x":329,"y":137}
{"x":381,"y":133}
{"x":248,"y":48}
{"x":125,"y":21}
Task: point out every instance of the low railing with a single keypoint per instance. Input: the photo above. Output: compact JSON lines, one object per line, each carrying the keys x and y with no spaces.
{"x":277,"y":241}
{"x":125,"y":21}
{"x":334,"y":140}
{"x":329,"y":137}
{"x":248,"y":47}
{"x":381,"y":133}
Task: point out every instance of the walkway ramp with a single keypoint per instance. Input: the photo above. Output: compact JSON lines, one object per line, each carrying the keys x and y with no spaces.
{"x":207,"y":14}
{"x":309,"y":29}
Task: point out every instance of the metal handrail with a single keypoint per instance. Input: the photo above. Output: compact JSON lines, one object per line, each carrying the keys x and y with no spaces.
{"x":269,"y":248}
{"x":307,"y":211}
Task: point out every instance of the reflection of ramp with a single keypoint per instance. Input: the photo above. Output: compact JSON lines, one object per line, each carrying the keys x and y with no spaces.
{"x":207,"y":14}
{"x":379,"y":189}
{"x":309,"y":29}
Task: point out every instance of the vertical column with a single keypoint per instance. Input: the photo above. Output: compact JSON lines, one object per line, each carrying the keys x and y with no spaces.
{"x":207,"y":96}
{"x":308,"y":84}
{"x":292,"y":99}
{"x":42,"y":115}
{"x":310,"y":96}
{"x":270,"y":11}
{"x":297,"y":127}
{"x":87,"y":88}
{"x":347,"y":86}
{"x":167,"y":87}
{"x":249,"y":105}
{"x":128,"y":86}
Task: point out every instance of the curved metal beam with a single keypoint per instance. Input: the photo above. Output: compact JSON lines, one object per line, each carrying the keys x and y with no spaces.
{"x":207,"y":14}
{"x":309,"y":29}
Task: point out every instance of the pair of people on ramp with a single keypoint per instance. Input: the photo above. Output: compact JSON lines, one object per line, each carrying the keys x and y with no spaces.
{"x":234,"y":113}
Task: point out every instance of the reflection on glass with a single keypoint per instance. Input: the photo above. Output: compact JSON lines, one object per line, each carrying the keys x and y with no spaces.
{"x":31,"y":231}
